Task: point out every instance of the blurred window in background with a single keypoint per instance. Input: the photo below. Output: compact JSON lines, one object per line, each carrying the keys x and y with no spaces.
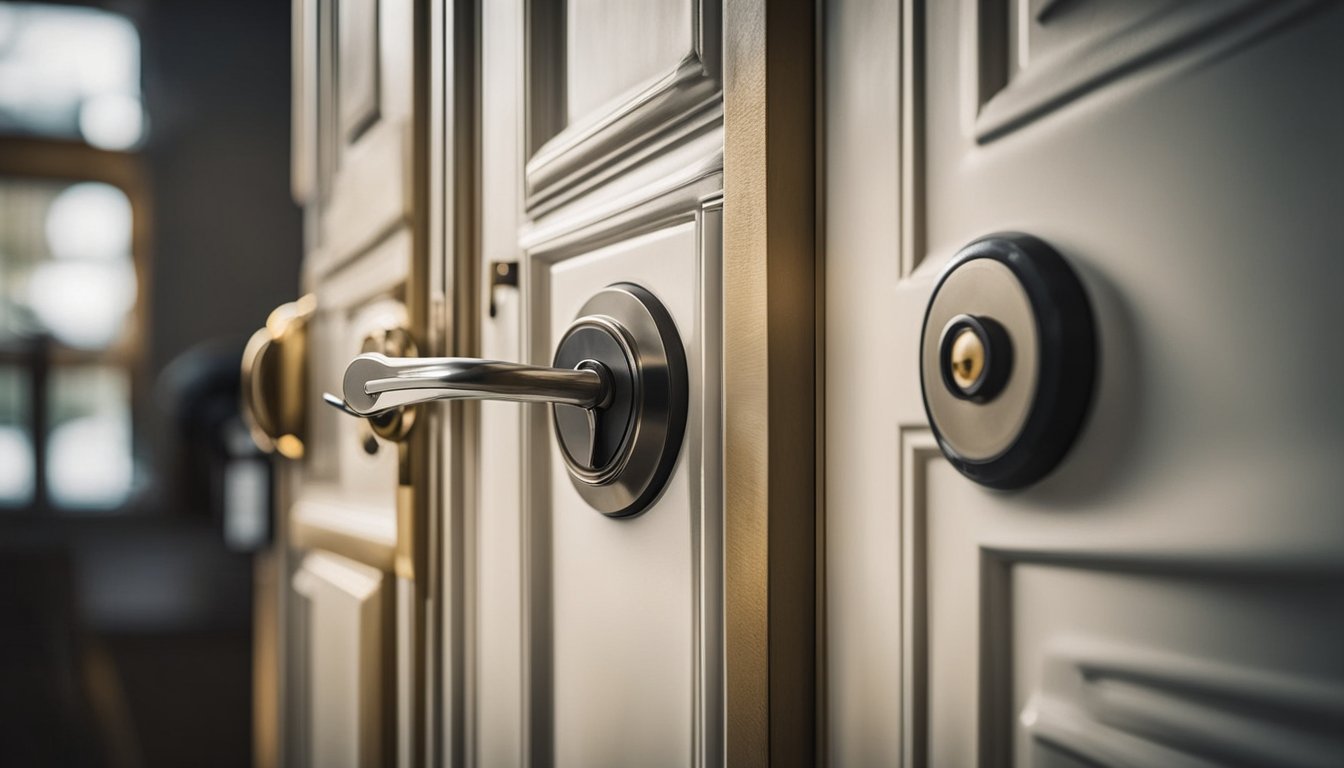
{"x":71,"y":257}
{"x":16,"y":448}
{"x":70,"y":72}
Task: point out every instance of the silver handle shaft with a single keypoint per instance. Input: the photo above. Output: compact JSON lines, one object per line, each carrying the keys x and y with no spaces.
{"x":376,"y":383}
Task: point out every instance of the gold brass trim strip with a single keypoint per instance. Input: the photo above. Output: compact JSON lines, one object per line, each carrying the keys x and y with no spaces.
{"x":266,"y":674}
{"x":405,"y":560}
{"x":305,"y":534}
{"x":769,"y":408}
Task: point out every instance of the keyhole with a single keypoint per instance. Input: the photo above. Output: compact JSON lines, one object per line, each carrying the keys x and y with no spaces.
{"x":967,"y":359}
{"x":975,"y":357}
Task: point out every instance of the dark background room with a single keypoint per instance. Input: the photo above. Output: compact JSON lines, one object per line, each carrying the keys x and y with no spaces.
{"x":146,"y":227}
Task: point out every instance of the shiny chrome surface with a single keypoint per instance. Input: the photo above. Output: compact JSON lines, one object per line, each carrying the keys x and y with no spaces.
{"x":649,"y":393}
{"x":393,"y":425}
{"x":375,"y":383}
{"x":619,"y":387}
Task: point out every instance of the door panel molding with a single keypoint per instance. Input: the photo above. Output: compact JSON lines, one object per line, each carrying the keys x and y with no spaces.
{"x":357,"y":66}
{"x":693,"y":200}
{"x":346,"y":618}
{"x":918,"y":447}
{"x":1035,"y":59}
{"x":1157,"y":708}
{"x":1027,"y":59}
{"x":303,"y":101}
{"x":653,"y":199}
{"x":1099,"y":649}
{"x":368,"y":539}
{"x":910,"y":141}
{"x":365,"y":128}
{"x":566,"y":158}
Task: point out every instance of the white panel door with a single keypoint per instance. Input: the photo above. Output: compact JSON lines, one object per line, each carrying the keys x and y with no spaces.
{"x":1172,"y":594}
{"x":594,"y":640}
{"x":350,"y":609}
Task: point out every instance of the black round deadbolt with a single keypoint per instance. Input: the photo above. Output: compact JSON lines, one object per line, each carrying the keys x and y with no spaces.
{"x":1008,"y":359}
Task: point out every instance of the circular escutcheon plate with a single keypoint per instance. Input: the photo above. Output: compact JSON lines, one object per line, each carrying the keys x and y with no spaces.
{"x":620,"y":454}
{"x":1034,"y":337}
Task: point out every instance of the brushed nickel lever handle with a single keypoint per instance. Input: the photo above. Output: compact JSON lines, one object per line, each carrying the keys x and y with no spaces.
{"x":619,"y":386}
{"x":375,"y":383}
{"x":339,"y":404}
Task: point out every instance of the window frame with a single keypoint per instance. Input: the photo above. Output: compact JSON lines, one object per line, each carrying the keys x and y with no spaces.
{"x":29,"y":158}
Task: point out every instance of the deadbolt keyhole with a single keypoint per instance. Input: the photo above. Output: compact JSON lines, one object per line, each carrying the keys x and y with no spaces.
{"x":976,"y":357}
{"x":593,"y":438}
{"x":621,"y":450}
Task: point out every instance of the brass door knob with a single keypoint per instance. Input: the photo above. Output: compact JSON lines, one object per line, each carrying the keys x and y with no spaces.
{"x":275,"y":379}
{"x":393,"y":425}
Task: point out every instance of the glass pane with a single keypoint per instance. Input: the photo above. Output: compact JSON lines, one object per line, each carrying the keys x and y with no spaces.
{"x":16,"y":443}
{"x":70,"y":72}
{"x":65,"y":262}
{"x":89,"y":460}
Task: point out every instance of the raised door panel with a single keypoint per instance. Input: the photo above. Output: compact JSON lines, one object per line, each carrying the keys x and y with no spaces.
{"x":344,"y":610}
{"x":1038,"y":640}
{"x":1035,"y":56}
{"x":633,"y":644}
{"x":1184,"y":670}
{"x":988,"y":85}
{"x":608,"y":85}
{"x":365,"y":120}
{"x":613,"y":47}
{"x":357,"y":68}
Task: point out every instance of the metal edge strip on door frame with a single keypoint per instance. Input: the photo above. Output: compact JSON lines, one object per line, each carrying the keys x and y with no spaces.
{"x":770,"y":335}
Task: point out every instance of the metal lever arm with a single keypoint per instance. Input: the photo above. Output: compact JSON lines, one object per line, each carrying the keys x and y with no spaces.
{"x":619,"y":385}
{"x":376,"y":383}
